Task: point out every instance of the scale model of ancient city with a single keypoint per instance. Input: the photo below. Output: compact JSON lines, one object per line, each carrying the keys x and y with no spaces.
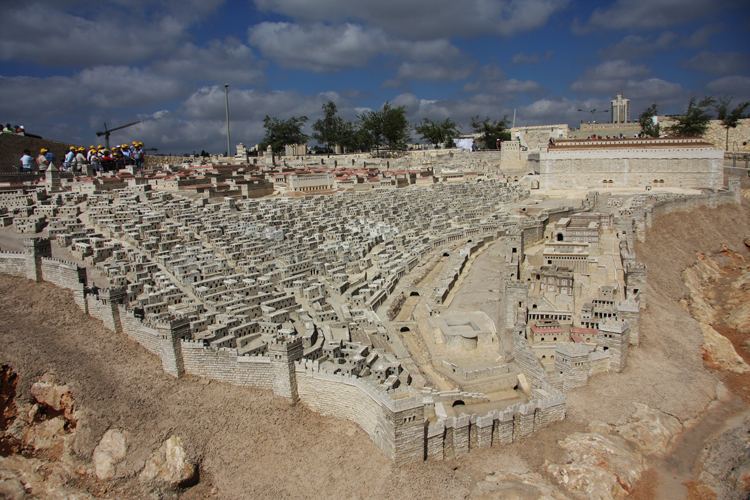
{"x":444,"y":300}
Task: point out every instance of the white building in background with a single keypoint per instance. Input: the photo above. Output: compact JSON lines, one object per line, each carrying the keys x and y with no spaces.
{"x":620,"y":109}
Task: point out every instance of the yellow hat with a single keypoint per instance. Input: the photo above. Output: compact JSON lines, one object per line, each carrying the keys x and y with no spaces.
{"x":81,"y":149}
{"x":100,"y":147}
{"x":135,"y":143}
{"x":91,"y":147}
{"x":43,"y":150}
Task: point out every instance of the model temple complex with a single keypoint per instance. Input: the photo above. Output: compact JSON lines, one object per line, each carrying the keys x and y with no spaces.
{"x":444,"y":300}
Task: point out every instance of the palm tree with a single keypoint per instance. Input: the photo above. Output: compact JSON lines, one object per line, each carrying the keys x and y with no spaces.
{"x":730,"y":117}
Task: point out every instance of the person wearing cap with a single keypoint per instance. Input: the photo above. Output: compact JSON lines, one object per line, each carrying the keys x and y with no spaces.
{"x":69,"y":157}
{"x":41,"y":161}
{"x":50,"y":157}
{"x":138,"y":155}
{"x":27,"y":161}
{"x":80,"y":159}
{"x":126,"y":151}
{"x":107,"y":160}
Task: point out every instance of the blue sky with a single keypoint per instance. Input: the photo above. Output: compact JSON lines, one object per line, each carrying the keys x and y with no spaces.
{"x":66,"y":66}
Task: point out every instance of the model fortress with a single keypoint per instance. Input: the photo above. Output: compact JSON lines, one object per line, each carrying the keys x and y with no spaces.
{"x":440,"y":316}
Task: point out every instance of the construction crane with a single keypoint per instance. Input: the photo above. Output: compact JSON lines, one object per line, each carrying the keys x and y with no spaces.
{"x":108,"y":131}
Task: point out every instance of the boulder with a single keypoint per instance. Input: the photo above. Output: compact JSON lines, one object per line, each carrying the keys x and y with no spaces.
{"x":516,"y":486}
{"x":598,"y":466}
{"x":650,"y":430}
{"x":108,"y":453}
{"x":46,"y":435}
{"x":48,"y":393}
{"x":169,"y":465}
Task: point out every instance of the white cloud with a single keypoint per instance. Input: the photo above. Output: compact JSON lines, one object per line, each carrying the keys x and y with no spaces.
{"x":626,"y":14}
{"x":118,"y":86}
{"x":530,"y":58}
{"x":425,"y":19}
{"x":493,"y":80}
{"x":719,"y":63}
{"x":48,"y":34}
{"x":325,"y":47}
{"x":633,"y":46}
{"x":219,"y":61}
{"x":317,"y":47}
{"x":735,"y":85}
{"x":433,"y":71}
{"x":609,"y":76}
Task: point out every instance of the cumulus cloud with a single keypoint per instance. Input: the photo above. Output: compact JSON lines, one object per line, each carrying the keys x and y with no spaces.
{"x":625,"y":14}
{"x":734,"y":85}
{"x":719,"y":63}
{"x":609,"y":76}
{"x":119,"y":86}
{"x":49,"y":34}
{"x":317,"y":47}
{"x":530,"y":58}
{"x":325,"y":47}
{"x":492,"y":79}
{"x":430,"y":71}
{"x":633,"y":80}
{"x":225,"y":61}
{"x":634,"y":46}
{"x":425,"y":19}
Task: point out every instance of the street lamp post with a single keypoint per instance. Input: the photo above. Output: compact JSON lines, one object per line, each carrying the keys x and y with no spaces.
{"x":226,"y":102}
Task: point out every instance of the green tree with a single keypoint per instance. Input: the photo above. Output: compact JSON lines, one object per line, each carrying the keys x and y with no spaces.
{"x":329,"y":129}
{"x":279,"y":132}
{"x":695,"y":120}
{"x":491,"y":131}
{"x":646,"y":119}
{"x":355,"y":138}
{"x":730,"y":117}
{"x":437,"y":133}
{"x":387,"y":126}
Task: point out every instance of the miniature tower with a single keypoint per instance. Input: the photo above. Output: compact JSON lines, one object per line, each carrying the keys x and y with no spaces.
{"x":734,"y":185}
{"x":37,"y":248}
{"x":52,"y":179}
{"x":515,"y":296}
{"x":284,"y":351}
{"x":170,"y":334}
{"x":614,"y":336}
{"x":635,"y":281}
{"x":628,"y":311}
{"x":110,"y":315}
{"x":572,"y":364}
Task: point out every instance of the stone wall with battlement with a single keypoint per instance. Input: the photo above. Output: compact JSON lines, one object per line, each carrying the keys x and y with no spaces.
{"x":14,"y":263}
{"x":346,"y":397}
{"x":454,"y":436}
{"x":138,"y":331}
{"x":225,"y":365}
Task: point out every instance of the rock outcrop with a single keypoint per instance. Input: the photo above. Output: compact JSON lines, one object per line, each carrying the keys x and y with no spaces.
{"x":108,"y":453}
{"x":598,"y":466}
{"x":169,"y":465}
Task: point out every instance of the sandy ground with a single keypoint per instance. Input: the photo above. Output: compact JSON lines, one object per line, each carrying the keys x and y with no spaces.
{"x":250,"y":444}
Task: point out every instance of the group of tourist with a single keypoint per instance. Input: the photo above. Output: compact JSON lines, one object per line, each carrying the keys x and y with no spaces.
{"x":14,"y":129}
{"x":100,"y":158}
